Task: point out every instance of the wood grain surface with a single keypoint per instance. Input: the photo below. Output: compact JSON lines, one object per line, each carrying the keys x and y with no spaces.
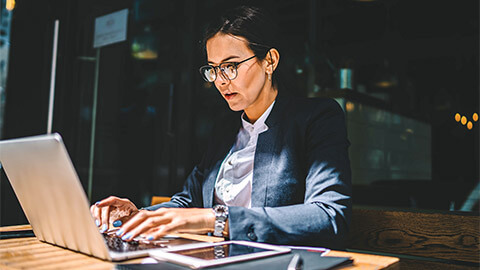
{"x":15,"y":228}
{"x":29,"y":253}
{"x":441,"y":236}
{"x":366,"y":261}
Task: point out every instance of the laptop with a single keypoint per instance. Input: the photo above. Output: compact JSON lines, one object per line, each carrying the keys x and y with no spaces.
{"x":52,"y":197}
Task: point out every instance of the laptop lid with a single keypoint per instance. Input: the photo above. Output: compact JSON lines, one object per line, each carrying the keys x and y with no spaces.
{"x":49,"y":191}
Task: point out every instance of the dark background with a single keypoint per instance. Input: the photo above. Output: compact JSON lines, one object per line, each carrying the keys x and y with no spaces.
{"x":155,"y":113}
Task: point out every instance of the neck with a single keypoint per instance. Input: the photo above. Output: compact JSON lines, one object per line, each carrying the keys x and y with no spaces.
{"x":262,"y":103}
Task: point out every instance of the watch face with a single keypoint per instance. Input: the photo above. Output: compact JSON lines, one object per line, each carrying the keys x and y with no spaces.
{"x":220,"y":209}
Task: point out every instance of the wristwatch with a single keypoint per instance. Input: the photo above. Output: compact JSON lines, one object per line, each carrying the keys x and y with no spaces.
{"x":221,"y":216}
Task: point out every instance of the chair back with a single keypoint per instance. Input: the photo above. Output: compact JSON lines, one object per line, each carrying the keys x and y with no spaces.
{"x":159,"y":199}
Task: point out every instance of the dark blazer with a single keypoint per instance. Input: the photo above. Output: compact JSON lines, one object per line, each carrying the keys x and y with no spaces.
{"x":301,"y":187}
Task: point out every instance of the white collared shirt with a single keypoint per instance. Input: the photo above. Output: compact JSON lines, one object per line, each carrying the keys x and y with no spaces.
{"x":233,"y":186}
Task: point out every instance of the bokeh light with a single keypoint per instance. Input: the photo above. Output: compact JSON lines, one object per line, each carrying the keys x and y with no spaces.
{"x":10,"y":5}
{"x":457,"y":117}
{"x":349,"y":106}
{"x":469,"y":125}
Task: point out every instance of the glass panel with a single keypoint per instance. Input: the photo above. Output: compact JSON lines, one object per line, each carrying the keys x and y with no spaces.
{"x":401,"y":79}
{"x":398,"y":80}
{"x":5,"y":20}
{"x":144,"y":139}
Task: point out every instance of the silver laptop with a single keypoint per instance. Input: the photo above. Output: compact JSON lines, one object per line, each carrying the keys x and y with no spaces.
{"x":52,"y":197}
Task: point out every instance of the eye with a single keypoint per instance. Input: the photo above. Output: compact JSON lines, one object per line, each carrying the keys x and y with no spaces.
{"x":229,"y":69}
{"x":208,"y":73}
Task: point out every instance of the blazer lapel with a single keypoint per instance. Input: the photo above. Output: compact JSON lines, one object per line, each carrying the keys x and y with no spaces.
{"x":267,"y":146}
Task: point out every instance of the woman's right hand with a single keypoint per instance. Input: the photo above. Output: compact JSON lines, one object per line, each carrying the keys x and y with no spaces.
{"x":112,"y":210}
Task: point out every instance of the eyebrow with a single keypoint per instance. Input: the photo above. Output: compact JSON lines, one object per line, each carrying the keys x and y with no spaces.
{"x":225,"y":60}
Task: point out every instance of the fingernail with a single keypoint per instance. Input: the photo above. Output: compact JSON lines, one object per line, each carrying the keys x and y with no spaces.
{"x":117,"y":223}
{"x":97,"y":222}
{"x":104,"y":228}
{"x":150,"y":238}
{"x":127,"y":236}
{"x":119,"y":232}
{"x":97,"y":202}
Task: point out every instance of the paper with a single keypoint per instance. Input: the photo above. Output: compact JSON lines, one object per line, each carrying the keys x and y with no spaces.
{"x":110,"y":28}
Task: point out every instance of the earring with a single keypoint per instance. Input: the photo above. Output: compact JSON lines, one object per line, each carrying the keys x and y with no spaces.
{"x":269,"y":75}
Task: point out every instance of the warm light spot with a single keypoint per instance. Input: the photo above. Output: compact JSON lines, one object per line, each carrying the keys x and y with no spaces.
{"x":475,"y":117}
{"x":384,"y":84}
{"x":457,"y":117}
{"x":146,"y":55}
{"x":349,"y":106}
{"x":469,"y":125}
{"x":10,"y":5}
{"x":464,"y":120}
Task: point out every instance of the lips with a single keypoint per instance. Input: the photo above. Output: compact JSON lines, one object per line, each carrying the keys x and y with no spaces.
{"x":229,"y":96}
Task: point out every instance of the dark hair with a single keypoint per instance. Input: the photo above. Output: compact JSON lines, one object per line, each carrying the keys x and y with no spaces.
{"x":252,"y":23}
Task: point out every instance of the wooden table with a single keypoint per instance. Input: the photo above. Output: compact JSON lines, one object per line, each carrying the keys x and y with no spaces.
{"x":29,"y":253}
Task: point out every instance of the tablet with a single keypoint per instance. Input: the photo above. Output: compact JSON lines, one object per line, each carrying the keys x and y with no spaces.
{"x":212,"y":254}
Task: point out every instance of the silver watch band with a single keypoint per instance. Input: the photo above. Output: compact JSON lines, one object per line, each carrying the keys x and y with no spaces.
{"x":221,"y":216}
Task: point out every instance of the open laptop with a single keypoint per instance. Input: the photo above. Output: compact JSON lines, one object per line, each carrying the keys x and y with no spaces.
{"x":52,"y":197}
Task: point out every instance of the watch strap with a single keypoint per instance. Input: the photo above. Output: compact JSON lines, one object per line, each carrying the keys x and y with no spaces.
{"x":221,"y":216}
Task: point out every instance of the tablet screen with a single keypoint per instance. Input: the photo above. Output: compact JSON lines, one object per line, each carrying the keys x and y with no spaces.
{"x":220,"y":251}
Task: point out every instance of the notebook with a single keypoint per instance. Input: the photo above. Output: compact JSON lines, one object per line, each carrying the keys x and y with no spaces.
{"x":49,"y":190}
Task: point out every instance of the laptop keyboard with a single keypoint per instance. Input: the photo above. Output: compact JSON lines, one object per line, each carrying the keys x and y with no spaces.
{"x":115,"y":243}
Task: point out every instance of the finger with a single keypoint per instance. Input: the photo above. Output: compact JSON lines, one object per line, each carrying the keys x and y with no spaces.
{"x":108,"y":201}
{"x":148,"y":224}
{"x":144,"y":221}
{"x":93,"y":212}
{"x":151,"y":231}
{"x":122,"y":220}
{"x":160,"y":232}
{"x":105,"y":212}
{"x":132,"y":223}
{"x":97,"y":215}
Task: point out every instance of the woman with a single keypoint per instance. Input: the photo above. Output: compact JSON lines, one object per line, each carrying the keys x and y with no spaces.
{"x":279,"y":173}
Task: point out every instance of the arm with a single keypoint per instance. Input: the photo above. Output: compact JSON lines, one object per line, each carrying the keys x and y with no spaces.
{"x":323,"y":217}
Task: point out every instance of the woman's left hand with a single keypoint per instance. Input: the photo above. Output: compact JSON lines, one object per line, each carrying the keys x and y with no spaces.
{"x":158,"y":223}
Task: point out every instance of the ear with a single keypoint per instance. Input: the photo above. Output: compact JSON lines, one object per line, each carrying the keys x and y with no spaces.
{"x":271,"y":60}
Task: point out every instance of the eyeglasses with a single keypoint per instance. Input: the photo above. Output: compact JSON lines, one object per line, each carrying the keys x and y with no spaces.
{"x":228,"y":69}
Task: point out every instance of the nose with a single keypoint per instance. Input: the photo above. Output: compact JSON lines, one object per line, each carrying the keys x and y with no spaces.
{"x":221,"y":79}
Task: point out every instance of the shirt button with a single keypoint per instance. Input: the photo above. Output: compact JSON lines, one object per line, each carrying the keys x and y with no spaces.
{"x":252,"y":236}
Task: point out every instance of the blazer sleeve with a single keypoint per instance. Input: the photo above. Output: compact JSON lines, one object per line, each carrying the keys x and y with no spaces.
{"x":323,"y":218}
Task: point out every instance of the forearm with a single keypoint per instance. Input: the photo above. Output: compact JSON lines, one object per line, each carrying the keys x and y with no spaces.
{"x":305,"y":224}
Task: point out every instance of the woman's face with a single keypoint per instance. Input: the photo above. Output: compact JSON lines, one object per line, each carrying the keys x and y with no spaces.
{"x":251,"y":89}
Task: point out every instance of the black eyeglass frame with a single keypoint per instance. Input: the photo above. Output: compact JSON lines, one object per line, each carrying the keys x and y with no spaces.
{"x":219,"y":67}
